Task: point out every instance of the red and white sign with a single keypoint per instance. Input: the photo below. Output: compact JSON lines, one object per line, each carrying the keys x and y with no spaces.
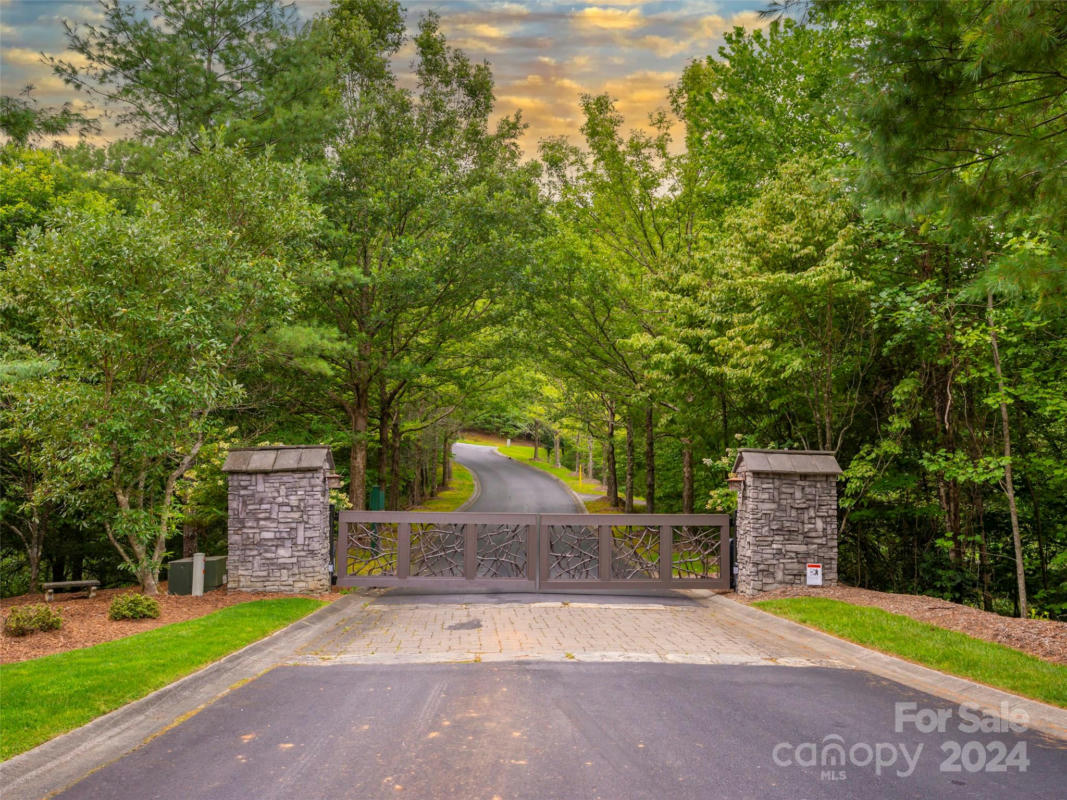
{"x":814,"y":574}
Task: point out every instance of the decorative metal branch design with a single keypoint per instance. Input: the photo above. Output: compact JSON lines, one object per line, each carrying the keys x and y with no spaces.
{"x":635,"y":552}
{"x":695,"y":551}
{"x":502,"y":551}
{"x":372,"y":548}
{"x":573,"y":552}
{"x":436,"y":550}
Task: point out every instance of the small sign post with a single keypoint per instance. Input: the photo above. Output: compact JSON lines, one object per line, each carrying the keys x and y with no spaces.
{"x":814,"y":574}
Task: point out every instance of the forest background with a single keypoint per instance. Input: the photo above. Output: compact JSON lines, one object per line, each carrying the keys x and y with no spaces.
{"x":844,"y":231}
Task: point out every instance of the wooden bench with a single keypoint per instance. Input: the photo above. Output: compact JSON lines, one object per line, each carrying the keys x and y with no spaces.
{"x":49,"y":588}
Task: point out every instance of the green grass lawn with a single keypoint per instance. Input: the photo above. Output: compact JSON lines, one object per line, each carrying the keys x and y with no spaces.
{"x":459,"y":492}
{"x":955,"y":653}
{"x":44,"y":697}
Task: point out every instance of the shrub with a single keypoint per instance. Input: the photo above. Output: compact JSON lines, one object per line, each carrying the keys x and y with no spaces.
{"x":133,"y":606}
{"x":34,"y":617}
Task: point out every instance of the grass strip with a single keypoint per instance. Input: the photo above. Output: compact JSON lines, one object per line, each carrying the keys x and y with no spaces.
{"x":47,"y":696}
{"x":459,"y":491}
{"x":949,"y":651}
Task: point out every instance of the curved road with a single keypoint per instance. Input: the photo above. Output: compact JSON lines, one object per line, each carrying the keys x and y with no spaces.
{"x":512,"y":486}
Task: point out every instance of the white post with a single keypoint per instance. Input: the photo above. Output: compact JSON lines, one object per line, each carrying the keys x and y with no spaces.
{"x":198,"y":574}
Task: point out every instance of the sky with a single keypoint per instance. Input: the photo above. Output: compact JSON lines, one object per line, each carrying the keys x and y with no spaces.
{"x":543,"y":53}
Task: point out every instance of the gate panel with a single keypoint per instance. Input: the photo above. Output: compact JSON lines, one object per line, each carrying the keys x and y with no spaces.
{"x":570,"y":549}
{"x":437,"y":550}
{"x":526,"y":552}
{"x":475,"y":550}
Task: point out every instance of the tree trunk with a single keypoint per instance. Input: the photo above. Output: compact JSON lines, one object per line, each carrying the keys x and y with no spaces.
{"x":536,"y":437}
{"x":589,"y":444}
{"x":190,"y":535}
{"x":628,"y":506}
{"x":394,"y":464}
{"x":446,"y":462}
{"x":577,"y":452}
{"x":1009,"y":484}
{"x":687,"y":476}
{"x":33,"y":542}
{"x":357,"y":459}
{"x":611,"y":478}
{"x":420,"y":472}
{"x":146,"y":576}
{"x":983,"y":554}
{"x":383,"y":452}
{"x":431,"y":461}
{"x":650,"y":461}
{"x":555,"y":447}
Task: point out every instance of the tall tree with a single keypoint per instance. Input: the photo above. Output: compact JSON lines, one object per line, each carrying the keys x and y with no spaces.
{"x":174,"y":67}
{"x":429,"y":218}
{"x":147,"y":319}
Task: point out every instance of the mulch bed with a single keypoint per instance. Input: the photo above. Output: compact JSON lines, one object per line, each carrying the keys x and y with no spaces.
{"x":1043,"y":638}
{"x":85,"y":621}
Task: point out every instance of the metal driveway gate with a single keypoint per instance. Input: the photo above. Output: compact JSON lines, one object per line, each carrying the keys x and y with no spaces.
{"x":533,"y":552}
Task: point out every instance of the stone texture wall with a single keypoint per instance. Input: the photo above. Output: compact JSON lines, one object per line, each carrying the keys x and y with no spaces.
{"x":279,"y":532}
{"x":784,"y":522}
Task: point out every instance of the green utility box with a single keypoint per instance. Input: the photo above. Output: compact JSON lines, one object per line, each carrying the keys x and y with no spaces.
{"x":180,"y":574}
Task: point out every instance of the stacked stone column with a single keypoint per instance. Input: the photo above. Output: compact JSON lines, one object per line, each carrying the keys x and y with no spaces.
{"x":786,"y":518}
{"x":279,"y":519}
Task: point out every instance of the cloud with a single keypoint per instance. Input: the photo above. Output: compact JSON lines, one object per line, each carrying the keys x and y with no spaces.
{"x":27,"y":57}
{"x":664,"y":46}
{"x":610,"y":19}
{"x":22,"y":56}
{"x":714,"y":26}
{"x":75,"y":12}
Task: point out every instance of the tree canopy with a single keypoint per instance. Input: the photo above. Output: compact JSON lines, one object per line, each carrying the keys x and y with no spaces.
{"x":843,"y":231}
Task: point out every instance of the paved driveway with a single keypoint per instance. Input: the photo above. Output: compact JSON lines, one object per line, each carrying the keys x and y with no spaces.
{"x":498,"y":696}
{"x":507,"y":485}
{"x":489,"y":697}
{"x":398,"y":629}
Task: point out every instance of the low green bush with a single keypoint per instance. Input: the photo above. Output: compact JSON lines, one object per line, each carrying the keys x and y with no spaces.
{"x":31,"y":618}
{"x":133,"y":606}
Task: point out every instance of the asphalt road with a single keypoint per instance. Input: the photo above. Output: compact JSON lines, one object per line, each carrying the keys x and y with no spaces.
{"x":542,"y":731}
{"x":508,"y":485}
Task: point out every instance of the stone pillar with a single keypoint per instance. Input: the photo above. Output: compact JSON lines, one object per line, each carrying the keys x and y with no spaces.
{"x":786,"y":517}
{"x":279,"y":519}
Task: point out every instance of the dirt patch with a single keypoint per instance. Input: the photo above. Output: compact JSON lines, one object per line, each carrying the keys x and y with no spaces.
{"x":1043,"y":638}
{"x":85,"y":621}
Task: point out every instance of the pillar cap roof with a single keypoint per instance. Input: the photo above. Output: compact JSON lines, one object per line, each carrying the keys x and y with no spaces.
{"x":788,"y":462}
{"x":282,"y":458}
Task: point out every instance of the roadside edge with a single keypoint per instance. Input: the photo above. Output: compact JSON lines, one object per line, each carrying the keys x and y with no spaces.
{"x":1044,"y":718}
{"x":61,"y":762}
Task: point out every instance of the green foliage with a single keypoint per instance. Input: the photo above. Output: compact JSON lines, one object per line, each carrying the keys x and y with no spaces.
{"x":459,"y":491}
{"x":14,"y":575}
{"x":820,"y":251}
{"x":23,"y":620}
{"x":152,"y":315}
{"x":133,"y":606}
{"x":23,"y":121}
{"x":428,"y":215}
{"x":177,"y":67}
{"x":965,"y":106}
{"x":45,"y":697}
